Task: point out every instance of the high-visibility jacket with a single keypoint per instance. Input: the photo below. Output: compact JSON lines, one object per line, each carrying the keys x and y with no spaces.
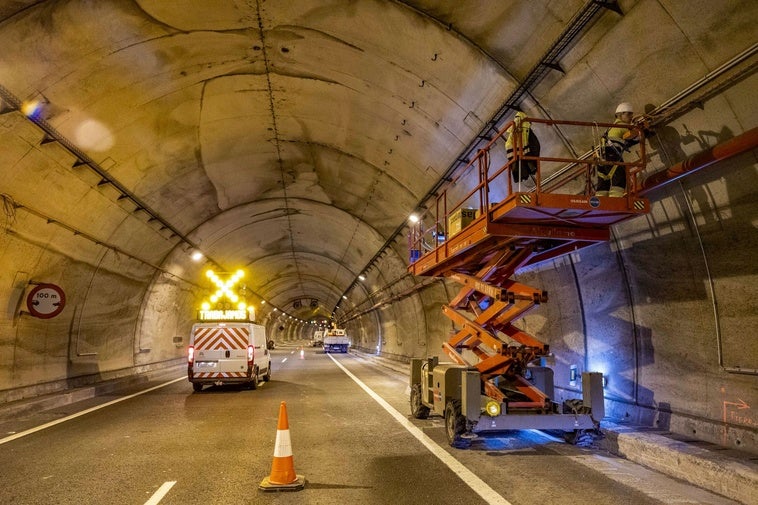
{"x":620,"y":137}
{"x":526,"y":127}
{"x":617,"y":140}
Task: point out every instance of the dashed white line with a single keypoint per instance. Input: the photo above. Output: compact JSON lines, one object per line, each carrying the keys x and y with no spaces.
{"x":467,"y":476}
{"x":162,"y":491}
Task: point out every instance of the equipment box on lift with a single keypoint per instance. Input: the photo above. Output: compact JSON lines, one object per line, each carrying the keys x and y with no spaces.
{"x":459,"y":219}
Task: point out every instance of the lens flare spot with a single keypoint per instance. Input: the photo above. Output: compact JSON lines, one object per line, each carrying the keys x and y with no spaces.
{"x":93,"y":135}
{"x":32,"y":109}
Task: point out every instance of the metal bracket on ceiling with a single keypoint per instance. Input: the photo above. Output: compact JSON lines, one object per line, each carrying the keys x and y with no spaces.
{"x":612,"y":5}
{"x":47,"y":139}
{"x":554,"y":66}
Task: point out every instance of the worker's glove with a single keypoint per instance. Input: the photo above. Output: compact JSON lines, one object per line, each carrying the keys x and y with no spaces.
{"x":631,"y":136}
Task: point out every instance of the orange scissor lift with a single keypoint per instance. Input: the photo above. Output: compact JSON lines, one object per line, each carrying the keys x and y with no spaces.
{"x":492,"y":383}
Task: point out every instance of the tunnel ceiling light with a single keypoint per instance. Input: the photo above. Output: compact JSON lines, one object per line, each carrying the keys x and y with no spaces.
{"x":197,"y":256}
{"x":344,"y":297}
{"x":413,"y":218}
{"x":361,"y":277}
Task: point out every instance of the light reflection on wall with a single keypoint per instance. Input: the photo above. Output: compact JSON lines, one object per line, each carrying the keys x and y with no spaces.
{"x":93,"y":136}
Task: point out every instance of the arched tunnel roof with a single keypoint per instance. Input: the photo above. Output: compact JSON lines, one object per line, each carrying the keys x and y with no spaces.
{"x":294,"y":138}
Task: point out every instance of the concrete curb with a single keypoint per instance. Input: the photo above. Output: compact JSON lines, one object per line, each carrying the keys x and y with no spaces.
{"x":58,"y":399}
{"x":703,"y":464}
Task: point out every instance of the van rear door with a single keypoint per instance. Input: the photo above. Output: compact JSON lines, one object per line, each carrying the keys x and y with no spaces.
{"x":221,"y":351}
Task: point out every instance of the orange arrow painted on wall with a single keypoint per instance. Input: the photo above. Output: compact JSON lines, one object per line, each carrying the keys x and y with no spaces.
{"x":741,"y":405}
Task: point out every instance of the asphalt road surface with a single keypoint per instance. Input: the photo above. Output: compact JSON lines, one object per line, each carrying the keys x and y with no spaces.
{"x":352,"y":436}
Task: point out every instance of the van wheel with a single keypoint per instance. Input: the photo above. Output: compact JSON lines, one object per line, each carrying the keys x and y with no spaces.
{"x":197,"y":387}
{"x":267,"y":377}
{"x":254,"y":382}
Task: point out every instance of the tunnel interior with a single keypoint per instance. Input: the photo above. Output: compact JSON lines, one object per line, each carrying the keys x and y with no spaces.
{"x":146,"y":142}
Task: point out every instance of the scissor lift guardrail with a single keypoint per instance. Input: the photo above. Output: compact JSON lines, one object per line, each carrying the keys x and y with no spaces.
{"x":558,"y":216}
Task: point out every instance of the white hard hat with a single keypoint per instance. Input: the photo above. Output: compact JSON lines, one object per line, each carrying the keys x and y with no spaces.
{"x":624,"y":107}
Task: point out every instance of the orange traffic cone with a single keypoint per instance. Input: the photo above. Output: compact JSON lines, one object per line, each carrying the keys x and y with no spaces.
{"x":283,"y":476}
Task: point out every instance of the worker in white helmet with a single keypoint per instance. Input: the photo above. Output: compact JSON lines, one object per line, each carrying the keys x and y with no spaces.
{"x":529,"y":144}
{"x":611,"y":179}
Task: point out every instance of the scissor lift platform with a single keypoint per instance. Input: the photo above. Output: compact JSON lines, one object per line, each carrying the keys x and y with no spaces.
{"x":552,"y":224}
{"x":491,"y":377}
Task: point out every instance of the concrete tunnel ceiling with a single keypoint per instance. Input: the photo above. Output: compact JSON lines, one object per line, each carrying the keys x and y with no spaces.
{"x":288,"y":137}
{"x":293,"y":138}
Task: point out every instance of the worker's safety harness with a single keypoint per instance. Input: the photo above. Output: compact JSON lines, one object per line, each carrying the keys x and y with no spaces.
{"x":611,"y":149}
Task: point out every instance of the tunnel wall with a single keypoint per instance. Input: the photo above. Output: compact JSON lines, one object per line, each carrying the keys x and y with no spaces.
{"x":666,"y":310}
{"x":95,"y":336}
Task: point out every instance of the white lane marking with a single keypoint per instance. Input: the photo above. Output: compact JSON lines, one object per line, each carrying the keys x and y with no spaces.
{"x":285,"y":359}
{"x":469,"y":478}
{"x":162,"y":491}
{"x":86,"y":411}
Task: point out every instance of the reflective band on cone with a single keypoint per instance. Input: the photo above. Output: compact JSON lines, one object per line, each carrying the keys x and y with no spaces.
{"x":283,"y":476}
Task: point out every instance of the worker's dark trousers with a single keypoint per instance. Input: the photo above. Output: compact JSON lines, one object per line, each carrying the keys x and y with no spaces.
{"x":611,"y":179}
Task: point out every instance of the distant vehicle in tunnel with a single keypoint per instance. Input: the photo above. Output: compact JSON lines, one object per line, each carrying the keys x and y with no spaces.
{"x":335,"y":339}
{"x":318,"y":338}
{"x":228,"y":353}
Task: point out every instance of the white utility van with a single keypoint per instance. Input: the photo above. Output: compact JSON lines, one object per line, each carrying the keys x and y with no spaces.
{"x":336,"y":339}
{"x":318,"y":338}
{"x":225,"y":353}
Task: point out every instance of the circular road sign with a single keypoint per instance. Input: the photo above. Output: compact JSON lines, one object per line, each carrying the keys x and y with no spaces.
{"x":46,"y":301}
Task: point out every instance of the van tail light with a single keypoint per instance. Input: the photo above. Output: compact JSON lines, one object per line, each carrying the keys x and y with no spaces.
{"x":190,"y":355}
{"x":250,"y":355}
